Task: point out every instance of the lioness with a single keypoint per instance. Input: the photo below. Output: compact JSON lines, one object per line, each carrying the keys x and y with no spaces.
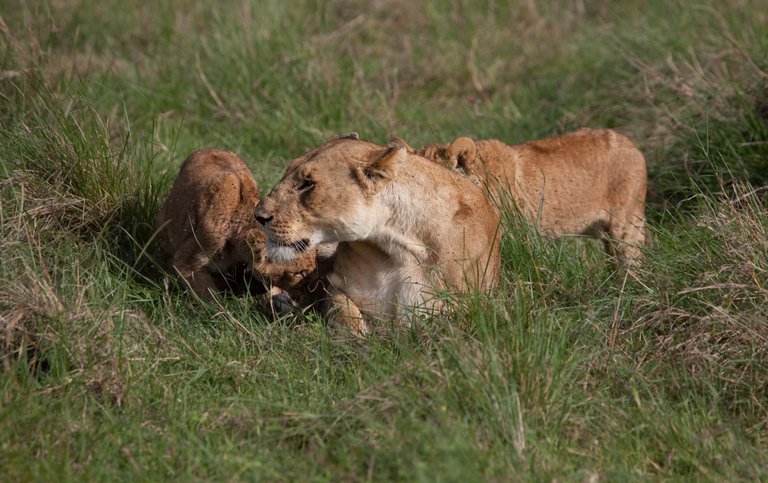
{"x":590,"y":182}
{"x":404,"y":226}
{"x":208,"y":234}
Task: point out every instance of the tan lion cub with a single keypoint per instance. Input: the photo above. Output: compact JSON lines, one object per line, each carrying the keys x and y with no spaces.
{"x":590,"y":182}
{"x":404,"y":225}
{"x":208,"y":234}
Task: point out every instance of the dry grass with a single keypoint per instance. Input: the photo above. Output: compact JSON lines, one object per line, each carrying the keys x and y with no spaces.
{"x":708,"y":321}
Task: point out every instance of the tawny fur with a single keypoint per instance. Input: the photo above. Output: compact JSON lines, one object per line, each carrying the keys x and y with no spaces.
{"x":405,"y":227}
{"x":207,"y":232}
{"x":590,"y":182}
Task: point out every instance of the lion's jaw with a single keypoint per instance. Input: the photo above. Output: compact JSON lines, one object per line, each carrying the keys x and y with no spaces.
{"x":285,"y":253}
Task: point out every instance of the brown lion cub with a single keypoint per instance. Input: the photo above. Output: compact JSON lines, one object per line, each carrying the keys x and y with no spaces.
{"x":404,"y":225}
{"x":590,"y":182}
{"x":208,"y":234}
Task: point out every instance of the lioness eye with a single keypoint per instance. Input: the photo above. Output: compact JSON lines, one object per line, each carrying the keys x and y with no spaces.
{"x":306,"y":185}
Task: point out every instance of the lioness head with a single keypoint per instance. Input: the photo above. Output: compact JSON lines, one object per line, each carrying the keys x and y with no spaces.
{"x":327,"y":196}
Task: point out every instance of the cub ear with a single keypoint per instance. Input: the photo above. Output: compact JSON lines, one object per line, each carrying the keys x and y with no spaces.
{"x":438,"y":154}
{"x":462,"y":153}
{"x":375,"y":176}
{"x":398,"y":142}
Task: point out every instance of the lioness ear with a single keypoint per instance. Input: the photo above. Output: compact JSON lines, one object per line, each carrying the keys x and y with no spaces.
{"x":378,"y":174}
{"x":462,"y":153}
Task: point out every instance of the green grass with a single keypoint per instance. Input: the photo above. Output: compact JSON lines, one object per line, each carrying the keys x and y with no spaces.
{"x":568,"y":371}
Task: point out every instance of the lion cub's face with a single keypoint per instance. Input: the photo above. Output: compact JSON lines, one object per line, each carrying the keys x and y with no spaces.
{"x":326,"y":196}
{"x":207,"y":232}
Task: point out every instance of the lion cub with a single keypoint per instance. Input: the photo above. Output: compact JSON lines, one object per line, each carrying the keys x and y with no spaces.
{"x":207,"y":232}
{"x":590,"y":182}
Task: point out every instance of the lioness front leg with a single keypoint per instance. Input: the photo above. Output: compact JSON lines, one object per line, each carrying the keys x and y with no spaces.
{"x":343,"y":312}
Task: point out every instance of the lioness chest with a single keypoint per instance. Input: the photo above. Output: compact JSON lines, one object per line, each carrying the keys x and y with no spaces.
{"x":379,"y":285}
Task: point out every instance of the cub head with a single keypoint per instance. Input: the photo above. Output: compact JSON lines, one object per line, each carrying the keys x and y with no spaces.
{"x":327,"y":195}
{"x":460,"y":154}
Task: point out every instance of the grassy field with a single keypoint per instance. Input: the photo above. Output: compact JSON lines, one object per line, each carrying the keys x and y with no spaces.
{"x":568,"y":371}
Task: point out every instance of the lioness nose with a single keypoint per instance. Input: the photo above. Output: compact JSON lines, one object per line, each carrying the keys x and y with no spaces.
{"x":264,"y":219}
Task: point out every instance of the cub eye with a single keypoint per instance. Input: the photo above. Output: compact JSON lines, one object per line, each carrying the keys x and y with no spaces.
{"x":306,"y":185}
